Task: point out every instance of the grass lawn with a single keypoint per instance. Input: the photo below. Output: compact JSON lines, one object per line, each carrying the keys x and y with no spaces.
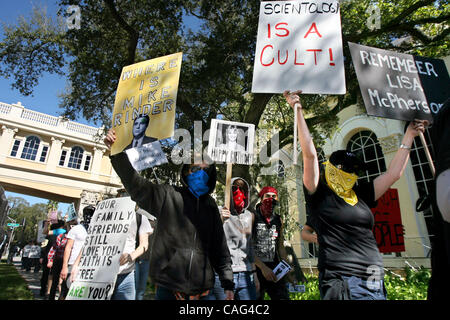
{"x":12,"y":285}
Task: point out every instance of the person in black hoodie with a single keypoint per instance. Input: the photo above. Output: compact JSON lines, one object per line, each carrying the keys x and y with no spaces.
{"x":189,"y":242}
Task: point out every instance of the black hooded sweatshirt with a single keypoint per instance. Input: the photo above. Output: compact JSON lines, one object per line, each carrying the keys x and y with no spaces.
{"x":189,"y":242}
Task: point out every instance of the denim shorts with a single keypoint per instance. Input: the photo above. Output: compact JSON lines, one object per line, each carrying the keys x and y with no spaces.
{"x":365,"y":290}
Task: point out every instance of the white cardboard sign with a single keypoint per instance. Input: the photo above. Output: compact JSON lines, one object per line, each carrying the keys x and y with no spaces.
{"x":102,"y":249}
{"x":299,"y":47}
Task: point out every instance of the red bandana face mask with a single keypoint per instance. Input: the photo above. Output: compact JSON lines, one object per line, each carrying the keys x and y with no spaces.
{"x":239,"y":200}
{"x":267,"y":206}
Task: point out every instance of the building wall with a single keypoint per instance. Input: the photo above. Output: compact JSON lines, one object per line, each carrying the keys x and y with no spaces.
{"x":47,"y":176}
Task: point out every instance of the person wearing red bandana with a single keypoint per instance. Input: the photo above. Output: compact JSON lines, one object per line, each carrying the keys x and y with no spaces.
{"x":237,"y":226}
{"x":269,"y":246}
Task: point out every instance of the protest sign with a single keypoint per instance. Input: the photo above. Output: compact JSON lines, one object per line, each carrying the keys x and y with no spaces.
{"x":71,"y":213}
{"x":40,"y":234}
{"x":299,"y":47}
{"x":231,"y":142}
{"x":146,"y":156}
{"x":281,"y":269}
{"x":400,"y":86}
{"x":388,"y":227}
{"x":102,"y":249}
{"x":144,"y":107}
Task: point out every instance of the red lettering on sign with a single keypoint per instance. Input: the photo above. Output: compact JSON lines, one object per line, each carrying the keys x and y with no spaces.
{"x":313,"y":29}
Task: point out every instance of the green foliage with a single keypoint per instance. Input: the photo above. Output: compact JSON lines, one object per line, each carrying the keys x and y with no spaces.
{"x":413,"y":286}
{"x":20,"y":210}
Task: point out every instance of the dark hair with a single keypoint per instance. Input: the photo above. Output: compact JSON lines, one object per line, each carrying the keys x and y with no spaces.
{"x":348,"y":161}
{"x":145,"y":116}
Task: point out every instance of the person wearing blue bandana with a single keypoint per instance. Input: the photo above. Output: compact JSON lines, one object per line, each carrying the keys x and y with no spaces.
{"x":189,"y":242}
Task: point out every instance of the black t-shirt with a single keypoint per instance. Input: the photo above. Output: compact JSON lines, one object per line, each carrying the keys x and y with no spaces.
{"x":266,"y":236}
{"x":347,"y":246}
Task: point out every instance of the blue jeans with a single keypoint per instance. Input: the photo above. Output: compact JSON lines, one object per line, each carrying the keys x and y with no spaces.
{"x":244,"y":287}
{"x":163,"y":293}
{"x":141,"y":276}
{"x":365,"y":290}
{"x":124,"y":288}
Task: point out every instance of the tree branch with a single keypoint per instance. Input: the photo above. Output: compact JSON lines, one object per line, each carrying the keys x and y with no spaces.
{"x":133,"y":34}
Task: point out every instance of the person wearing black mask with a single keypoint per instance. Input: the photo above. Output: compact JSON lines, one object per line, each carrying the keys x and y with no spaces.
{"x":189,"y":242}
{"x":350,"y":264}
{"x":269,"y":246}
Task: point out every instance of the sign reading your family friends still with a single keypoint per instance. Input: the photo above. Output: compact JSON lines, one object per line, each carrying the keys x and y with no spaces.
{"x":144,"y":108}
{"x":398,"y":85}
{"x":102,"y":249}
{"x":299,"y":47}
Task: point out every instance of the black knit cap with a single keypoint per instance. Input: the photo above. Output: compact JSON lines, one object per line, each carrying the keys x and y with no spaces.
{"x":347,"y":161}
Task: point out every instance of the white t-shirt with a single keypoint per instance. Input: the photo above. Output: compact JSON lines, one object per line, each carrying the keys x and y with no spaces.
{"x":26,"y":251}
{"x":35,"y":252}
{"x":78,"y":234}
{"x":130,"y":243}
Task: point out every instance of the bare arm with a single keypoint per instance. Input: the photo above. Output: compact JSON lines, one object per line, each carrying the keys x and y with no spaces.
{"x":397,"y":166}
{"x":308,"y":234}
{"x":67,"y":252}
{"x":309,"y":153}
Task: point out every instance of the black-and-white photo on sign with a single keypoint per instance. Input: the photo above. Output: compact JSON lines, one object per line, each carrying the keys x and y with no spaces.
{"x":231,"y":142}
{"x":400,"y":86}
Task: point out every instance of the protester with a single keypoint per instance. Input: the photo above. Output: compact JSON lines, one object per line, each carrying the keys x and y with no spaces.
{"x":350,"y":264}
{"x":35,"y":254}
{"x":55,"y":262}
{"x":25,"y":256}
{"x":189,"y":242}
{"x":46,"y":278}
{"x":237,"y":225}
{"x":440,"y":241}
{"x":143,"y":262}
{"x":75,"y":241}
{"x":125,"y":288}
{"x":269,"y":246}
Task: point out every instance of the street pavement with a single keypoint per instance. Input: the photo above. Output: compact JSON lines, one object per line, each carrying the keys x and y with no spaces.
{"x":33,"y":279}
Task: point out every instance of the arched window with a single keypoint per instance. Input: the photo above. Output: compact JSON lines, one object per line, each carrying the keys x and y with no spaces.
{"x":366,"y":145}
{"x":76,"y":157}
{"x":30,"y":148}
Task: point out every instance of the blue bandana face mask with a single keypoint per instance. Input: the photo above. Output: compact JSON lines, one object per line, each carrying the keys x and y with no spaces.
{"x":198,"y":183}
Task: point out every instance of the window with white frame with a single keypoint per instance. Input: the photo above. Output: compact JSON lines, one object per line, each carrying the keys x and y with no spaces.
{"x":30,"y":148}
{"x":366,"y":145}
{"x":75,"y":158}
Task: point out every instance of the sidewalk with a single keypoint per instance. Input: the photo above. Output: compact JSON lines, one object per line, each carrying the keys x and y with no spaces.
{"x":33,"y":279}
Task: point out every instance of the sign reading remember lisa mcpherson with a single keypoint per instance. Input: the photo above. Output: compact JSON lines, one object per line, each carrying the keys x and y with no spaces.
{"x":102,"y":249}
{"x":400,"y":86}
{"x":299,"y":47}
{"x":146,"y":90}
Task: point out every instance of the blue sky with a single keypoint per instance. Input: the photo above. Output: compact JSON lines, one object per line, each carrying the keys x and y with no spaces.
{"x":45,"y":95}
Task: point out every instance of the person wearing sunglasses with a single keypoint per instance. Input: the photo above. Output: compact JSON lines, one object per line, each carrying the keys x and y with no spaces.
{"x":350,"y":264}
{"x":237,"y":225}
{"x":189,"y":241}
